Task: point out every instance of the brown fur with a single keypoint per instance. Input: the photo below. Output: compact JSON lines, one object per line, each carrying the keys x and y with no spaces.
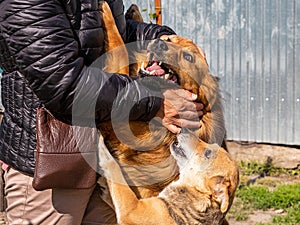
{"x":194,"y":77}
{"x":133,"y":13}
{"x":1,"y":115}
{"x":202,"y":195}
{"x":116,"y":54}
{"x":126,"y":154}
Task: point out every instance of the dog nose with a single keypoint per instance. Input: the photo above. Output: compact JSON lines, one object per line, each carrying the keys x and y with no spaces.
{"x":184,"y":130}
{"x":160,"y":45}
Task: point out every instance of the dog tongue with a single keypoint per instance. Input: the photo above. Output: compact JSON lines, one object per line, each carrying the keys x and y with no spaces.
{"x":155,"y":69}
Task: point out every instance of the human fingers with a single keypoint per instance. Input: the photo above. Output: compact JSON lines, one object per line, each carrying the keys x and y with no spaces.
{"x":190,"y":115}
{"x":183,"y":107}
{"x":185,"y":94}
{"x":173,"y":128}
{"x":181,"y":93}
{"x":166,"y":37}
{"x":184,"y":114}
{"x":189,"y":96}
{"x":174,"y":124}
{"x":178,"y":107}
{"x":199,"y":107}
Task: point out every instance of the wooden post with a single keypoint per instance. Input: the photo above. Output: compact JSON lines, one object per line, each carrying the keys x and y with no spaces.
{"x":158,"y":12}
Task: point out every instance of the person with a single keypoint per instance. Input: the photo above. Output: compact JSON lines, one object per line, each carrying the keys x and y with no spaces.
{"x":47,"y":51}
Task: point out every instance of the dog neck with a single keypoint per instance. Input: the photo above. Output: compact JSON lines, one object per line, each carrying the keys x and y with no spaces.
{"x":187,"y":205}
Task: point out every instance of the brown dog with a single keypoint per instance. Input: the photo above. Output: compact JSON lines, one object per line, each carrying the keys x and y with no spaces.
{"x":149,"y":172}
{"x":202,"y":194}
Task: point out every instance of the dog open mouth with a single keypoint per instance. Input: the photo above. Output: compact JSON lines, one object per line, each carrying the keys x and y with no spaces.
{"x":177,"y":149}
{"x":158,"y":68}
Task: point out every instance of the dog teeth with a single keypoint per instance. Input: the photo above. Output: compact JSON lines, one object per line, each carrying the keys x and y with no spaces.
{"x":160,"y":63}
{"x":143,"y":66}
{"x":144,"y":70}
{"x":167,"y":76}
{"x":152,"y":72}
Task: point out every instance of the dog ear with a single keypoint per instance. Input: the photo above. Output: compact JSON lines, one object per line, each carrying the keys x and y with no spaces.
{"x":219,"y":188}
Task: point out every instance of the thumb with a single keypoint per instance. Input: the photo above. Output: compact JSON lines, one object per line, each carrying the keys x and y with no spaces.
{"x":173,"y":128}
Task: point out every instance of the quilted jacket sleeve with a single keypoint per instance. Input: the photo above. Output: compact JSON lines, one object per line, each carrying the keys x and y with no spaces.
{"x":41,"y":37}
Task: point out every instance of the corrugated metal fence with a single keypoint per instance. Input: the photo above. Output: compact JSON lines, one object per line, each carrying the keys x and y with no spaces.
{"x":254,"y":47}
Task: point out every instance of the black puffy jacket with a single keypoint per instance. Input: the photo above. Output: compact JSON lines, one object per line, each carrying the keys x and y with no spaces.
{"x":47,"y":50}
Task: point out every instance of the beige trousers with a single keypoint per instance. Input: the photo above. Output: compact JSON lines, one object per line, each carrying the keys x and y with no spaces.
{"x":54,"y":206}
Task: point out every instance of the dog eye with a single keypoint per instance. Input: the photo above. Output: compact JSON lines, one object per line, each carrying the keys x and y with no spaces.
{"x":188,"y":57}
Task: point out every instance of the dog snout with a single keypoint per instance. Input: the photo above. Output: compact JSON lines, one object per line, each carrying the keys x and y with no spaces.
{"x":185,"y":136}
{"x":184,"y":130}
{"x":160,"y":46}
{"x":187,"y":131}
{"x":178,"y":150}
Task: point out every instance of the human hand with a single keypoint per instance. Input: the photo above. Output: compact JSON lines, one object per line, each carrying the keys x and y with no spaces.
{"x":179,"y":110}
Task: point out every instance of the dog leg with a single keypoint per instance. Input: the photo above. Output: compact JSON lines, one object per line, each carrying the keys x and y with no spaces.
{"x":133,"y":13}
{"x":115,"y":50}
{"x":135,"y":57}
{"x":129,"y":209}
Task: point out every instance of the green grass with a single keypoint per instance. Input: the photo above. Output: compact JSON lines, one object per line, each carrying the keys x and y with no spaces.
{"x":250,"y":168}
{"x":293,"y":216}
{"x":267,"y":194}
{"x":284,"y":196}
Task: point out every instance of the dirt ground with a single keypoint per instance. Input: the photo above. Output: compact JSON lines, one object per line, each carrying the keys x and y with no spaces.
{"x":282,"y":156}
{"x":256,"y":217}
{"x":259,"y":216}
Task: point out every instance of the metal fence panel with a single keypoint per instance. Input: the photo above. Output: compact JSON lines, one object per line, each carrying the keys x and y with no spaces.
{"x":254,"y":47}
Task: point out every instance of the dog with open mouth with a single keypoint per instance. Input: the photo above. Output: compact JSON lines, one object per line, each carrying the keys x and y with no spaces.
{"x":150,"y":173}
{"x":202,"y":194}
{"x":179,"y":60}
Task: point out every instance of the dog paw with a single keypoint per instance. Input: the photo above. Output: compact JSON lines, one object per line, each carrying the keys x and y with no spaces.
{"x":103,"y":6}
{"x":133,"y":13}
{"x":106,"y":160}
{"x":104,"y":191}
{"x":108,"y":18}
{"x":108,"y":166}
